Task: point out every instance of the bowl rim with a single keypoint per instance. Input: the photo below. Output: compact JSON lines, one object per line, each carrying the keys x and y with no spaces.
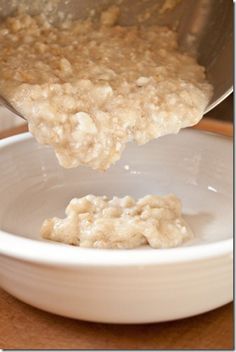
{"x":52,"y":253}
{"x":26,"y":249}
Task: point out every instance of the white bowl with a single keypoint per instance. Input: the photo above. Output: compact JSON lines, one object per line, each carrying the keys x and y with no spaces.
{"x":119,"y":286}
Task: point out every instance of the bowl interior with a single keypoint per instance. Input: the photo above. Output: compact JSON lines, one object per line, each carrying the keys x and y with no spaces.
{"x":196,"y":166}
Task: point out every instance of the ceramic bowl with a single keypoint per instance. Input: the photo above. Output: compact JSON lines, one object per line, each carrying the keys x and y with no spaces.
{"x":119,"y":286}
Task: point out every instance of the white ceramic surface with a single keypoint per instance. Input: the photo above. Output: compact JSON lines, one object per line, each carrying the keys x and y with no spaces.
{"x":119,"y":286}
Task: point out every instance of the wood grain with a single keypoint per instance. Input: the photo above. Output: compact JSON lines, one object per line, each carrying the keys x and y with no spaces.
{"x":216,"y":126}
{"x":25,"y":327}
{"x":13,"y":131}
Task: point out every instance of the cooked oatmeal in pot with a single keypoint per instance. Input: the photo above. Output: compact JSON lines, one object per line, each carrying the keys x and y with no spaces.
{"x":87,"y":88}
{"x":120,"y":223}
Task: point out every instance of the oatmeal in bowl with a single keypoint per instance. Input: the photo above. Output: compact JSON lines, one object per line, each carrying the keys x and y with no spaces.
{"x":120,"y":223}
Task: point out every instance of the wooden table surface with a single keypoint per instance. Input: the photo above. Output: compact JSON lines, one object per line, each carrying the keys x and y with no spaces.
{"x":25,"y":327}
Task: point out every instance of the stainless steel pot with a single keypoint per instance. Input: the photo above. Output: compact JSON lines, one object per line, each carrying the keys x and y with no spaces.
{"x":205,"y":27}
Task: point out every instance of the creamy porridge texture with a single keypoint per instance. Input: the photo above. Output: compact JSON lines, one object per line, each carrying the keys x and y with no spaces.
{"x":120,"y":223}
{"x":88,"y":88}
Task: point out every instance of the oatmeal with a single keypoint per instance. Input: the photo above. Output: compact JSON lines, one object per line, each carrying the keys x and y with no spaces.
{"x":120,"y":223}
{"x":87,"y":88}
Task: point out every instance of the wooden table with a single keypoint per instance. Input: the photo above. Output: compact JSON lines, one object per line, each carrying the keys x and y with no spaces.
{"x":25,"y":327}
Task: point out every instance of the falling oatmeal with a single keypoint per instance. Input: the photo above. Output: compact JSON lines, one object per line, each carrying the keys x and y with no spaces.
{"x":87,"y":88}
